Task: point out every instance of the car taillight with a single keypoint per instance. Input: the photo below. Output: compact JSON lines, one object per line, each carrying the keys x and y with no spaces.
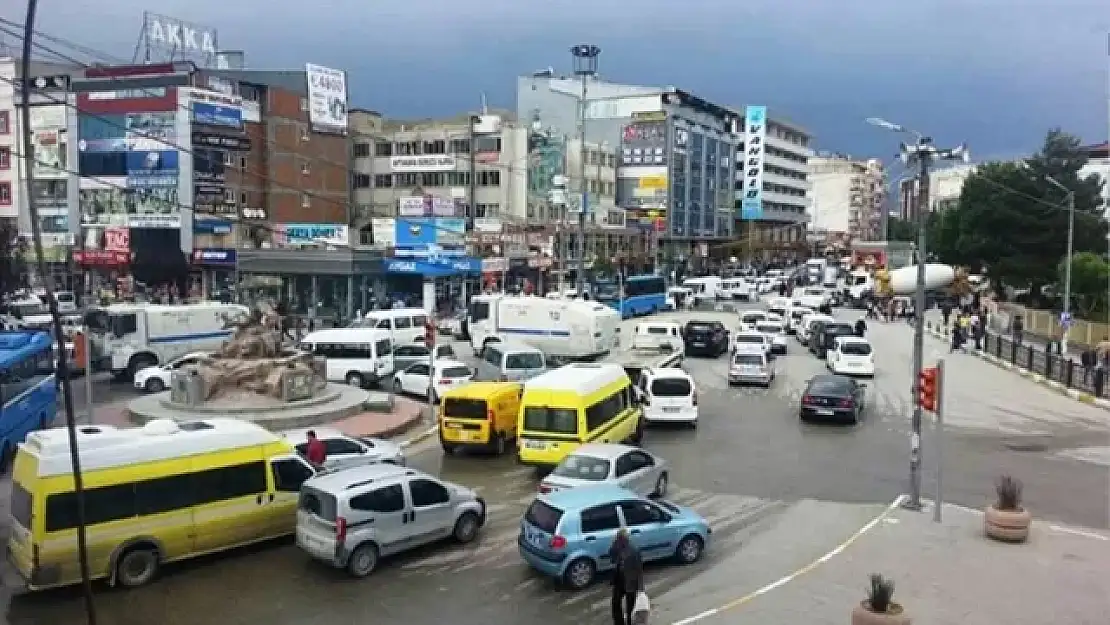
{"x":340,"y":530}
{"x":845,"y":403}
{"x":806,"y":399}
{"x":445,"y":381}
{"x":489,"y":415}
{"x":544,"y":489}
{"x":558,"y":542}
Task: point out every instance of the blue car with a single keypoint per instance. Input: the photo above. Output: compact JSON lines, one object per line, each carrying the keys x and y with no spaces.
{"x":567,"y":534}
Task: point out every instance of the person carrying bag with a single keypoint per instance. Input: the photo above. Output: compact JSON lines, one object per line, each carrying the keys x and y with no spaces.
{"x":641,"y":609}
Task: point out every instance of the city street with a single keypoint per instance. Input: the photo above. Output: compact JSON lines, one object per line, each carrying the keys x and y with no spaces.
{"x":105,"y":391}
{"x":748,"y":466}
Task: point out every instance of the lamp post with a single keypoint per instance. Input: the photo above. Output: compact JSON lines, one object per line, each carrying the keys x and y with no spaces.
{"x":922,"y":153}
{"x":584,"y":57}
{"x":1065,"y":318}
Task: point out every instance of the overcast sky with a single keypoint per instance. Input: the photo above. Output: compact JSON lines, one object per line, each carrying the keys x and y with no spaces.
{"x":994,"y":73}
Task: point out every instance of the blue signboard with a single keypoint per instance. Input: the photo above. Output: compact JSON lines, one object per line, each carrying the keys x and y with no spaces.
{"x":435,"y":267}
{"x":420,"y":232}
{"x":217,"y":115}
{"x":160,"y":162}
{"x":755,"y":133}
{"x":211,"y":226}
{"x":214,"y":256}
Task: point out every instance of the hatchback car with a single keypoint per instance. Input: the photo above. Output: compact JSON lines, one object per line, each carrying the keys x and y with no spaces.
{"x":352,"y":518}
{"x":833,"y":398}
{"x":345,"y":451}
{"x":851,"y":355}
{"x":157,"y":378}
{"x":445,"y":374}
{"x":593,"y":464}
{"x":747,"y":338}
{"x":567,"y":534}
{"x":668,"y":395}
{"x":751,"y":366}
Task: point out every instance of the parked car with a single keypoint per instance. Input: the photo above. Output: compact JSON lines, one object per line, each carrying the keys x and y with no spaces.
{"x":404,"y":356}
{"x":345,"y":451}
{"x":445,"y":374}
{"x":832,"y":398}
{"x":157,"y":378}
{"x":613,"y":464}
{"x":567,"y":534}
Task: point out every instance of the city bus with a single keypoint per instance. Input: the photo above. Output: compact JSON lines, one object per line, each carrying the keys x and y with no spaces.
{"x":643,"y":295}
{"x":28,"y":390}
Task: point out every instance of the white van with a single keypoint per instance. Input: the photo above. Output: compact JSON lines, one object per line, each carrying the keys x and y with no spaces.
{"x":739,"y":288}
{"x":361,"y":357}
{"x":509,"y":361}
{"x":706,"y":288}
{"x":669,"y":396}
{"x":405,"y":325}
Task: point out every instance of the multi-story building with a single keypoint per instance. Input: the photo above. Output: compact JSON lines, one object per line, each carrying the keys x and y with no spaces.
{"x":847,"y":196}
{"x":678,"y":173}
{"x":1099,"y":164}
{"x":945,"y":186}
{"x":9,"y":176}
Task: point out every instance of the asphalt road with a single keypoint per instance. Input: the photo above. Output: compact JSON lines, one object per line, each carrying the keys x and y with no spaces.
{"x":749,"y":459}
{"x":105,"y":390}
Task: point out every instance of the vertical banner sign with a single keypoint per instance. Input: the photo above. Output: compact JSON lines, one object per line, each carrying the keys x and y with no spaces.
{"x":755,"y":132}
{"x":327,"y":99}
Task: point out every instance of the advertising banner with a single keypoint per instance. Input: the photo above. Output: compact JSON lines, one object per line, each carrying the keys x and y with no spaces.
{"x":202,"y":225}
{"x":312,"y":234}
{"x":151,"y":131}
{"x":208,"y":114}
{"x":50,"y":153}
{"x":755,"y":132}
{"x":214,"y":256}
{"x":384,"y":231}
{"x":425,"y":206}
{"x":406,"y":164}
{"x":179,"y":37}
{"x":103,"y":204}
{"x":420,"y":233}
{"x":154,"y":208}
{"x":102,"y":133}
{"x":327,"y":99}
{"x":207,"y":139}
{"x":644,"y":143}
{"x":51,"y":194}
{"x":435,"y":267}
{"x":104,"y":246}
{"x":152,"y":162}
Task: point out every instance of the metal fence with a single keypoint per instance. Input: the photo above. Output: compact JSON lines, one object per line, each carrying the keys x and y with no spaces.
{"x":1061,"y":368}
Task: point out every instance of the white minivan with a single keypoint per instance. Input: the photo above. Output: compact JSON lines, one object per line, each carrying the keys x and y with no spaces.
{"x":361,"y":357}
{"x":405,"y":325}
{"x":668,"y":395}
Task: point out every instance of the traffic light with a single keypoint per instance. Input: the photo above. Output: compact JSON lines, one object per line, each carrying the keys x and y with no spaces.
{"x":927,"y":389}
{"x":430,"y":334}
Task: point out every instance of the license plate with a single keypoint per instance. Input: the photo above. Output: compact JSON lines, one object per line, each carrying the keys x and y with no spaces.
{"x":463,"y":435}
{"x":824,"y":411}
{"x":699,"y":344}
{"x":670,"y":410}
{"x":535,"y":444}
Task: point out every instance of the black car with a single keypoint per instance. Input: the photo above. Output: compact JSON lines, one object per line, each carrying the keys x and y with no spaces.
{"x":825,"y":336}
{"x":815,"y":331}
{"x":706,"y":338}
{"x":832,"y":398}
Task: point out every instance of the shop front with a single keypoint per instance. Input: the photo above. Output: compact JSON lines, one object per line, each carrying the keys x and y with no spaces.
{"x":216,"y":267}
{"x":106,"y":274}
{"x":438,"y":284}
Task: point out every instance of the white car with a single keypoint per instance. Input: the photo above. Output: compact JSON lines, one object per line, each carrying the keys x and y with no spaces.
{"x":851,"y":355}
{"x":613,"y":464}
{"x":814,"y":297}
{"x":447,"y":374}
{"x":776,"y":332}
{"x":765,"y":285}
{"x":745,"y":338}
{"x":157,"y":378}
{"x":346,"y":451}
{"x":749,"y":318}
{"x":669,"y":395}
{"x":794,"y":318}
{"x":778,"y":306}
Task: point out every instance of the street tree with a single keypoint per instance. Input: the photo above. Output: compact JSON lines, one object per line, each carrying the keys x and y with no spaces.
{"x":1013,"y":222}
{"x":1089,"y":273}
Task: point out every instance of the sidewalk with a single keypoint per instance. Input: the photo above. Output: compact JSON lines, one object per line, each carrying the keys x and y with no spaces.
{"x":944,"y":574}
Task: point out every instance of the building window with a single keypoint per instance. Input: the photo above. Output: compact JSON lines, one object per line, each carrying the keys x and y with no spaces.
{"x":305,"y":169}
{"x":362,"y":150}
{"x":408,"y":148}
{"x":458,"y":178}
{"x":486,"y":210}
{"x":489,"y":178}
{"x":5,"y":122}
{"x":362,"y":181}
{"x":5,"y":194}
{"x":383,"y":148}
{"x":383,"y":181}
{"x":243,"y":162}
{"x":304,"y":133}
{"x":229,"y":196}
{"x":431,"y":179}
{"x":306,"y":202}
{"x":5,"y":158}
{"x":438,"y":146}
{"x":243,"y":199}
{"x":229,"y":160}
{"x":460,"y":146}
{"x":406,"y":179}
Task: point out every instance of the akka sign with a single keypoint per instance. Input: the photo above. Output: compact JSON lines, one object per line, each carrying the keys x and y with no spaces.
{"x":181,"y":37}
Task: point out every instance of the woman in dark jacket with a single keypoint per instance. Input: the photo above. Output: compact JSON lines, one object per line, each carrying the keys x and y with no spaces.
{"x":628,"y":577}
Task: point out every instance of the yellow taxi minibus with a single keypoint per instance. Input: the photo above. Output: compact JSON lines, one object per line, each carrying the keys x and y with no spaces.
{"x":154,"y":494}
{"x":575,"y":404}
{"x":479,"y":415}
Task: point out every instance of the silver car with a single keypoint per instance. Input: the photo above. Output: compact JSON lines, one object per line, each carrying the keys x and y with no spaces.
{"x":404,"y":356}
{"x":346,"y":451}
{"x":610,"y":463}
{"x":351,"y":518}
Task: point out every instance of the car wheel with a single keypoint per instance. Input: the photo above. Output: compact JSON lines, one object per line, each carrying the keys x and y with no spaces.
{"x":355,"y":379}
{"x":689,"y":549}
{"x":363,"y":560}
{"x":466,"y":528}
{"x":155,"y":385}
{"x":136,"y":567}
{"x":580,"y":573}
{"x":660,"y":486}
{"x":397,"y":388}
{"x":448,"y":448}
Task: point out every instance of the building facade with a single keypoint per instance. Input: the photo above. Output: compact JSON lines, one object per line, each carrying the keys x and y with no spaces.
{"x":1099,"y":165}
{"x":847,"y":196}
{"x":945,"y":187}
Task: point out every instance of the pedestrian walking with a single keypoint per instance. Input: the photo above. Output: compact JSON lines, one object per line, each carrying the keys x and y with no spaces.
{"x":977,"y":330}
{"x":1018,"y":329}
{"x":946,"y":313}
{"x":628,"y":578}
{"x":315,"y":451}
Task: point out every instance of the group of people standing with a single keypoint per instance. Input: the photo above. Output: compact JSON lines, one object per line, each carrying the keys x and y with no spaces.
{"x":968,"y":324}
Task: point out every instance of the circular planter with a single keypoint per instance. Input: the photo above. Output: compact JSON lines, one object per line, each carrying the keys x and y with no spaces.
{"x":1011,"y":526}
{"x":895,"y":615}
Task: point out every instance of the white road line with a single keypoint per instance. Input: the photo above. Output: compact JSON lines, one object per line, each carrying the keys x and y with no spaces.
{"x":1076,"y":532}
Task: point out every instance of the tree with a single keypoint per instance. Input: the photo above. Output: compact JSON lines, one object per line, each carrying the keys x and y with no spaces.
{"x":1013,"y":222}
{"x":1089,"y":273}
{"x":12,"y":258}
{"x":901,"y":230}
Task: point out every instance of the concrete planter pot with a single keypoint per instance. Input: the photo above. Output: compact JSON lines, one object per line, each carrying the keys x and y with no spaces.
{"x":894,"y":615}
{"x":1010,"y":526}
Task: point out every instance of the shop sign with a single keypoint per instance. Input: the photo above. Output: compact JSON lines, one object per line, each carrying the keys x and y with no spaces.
{"x":224,"y":142}
{"x":101,"y":258}
{"x":495,"y":265}
{"x":214,"y":256}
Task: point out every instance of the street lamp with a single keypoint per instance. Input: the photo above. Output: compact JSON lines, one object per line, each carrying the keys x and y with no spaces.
{"x":585,"y":67}
{"x":1065,"y":317}
{"x":922,"y":153}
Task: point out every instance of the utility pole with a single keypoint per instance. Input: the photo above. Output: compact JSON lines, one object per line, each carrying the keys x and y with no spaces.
{"x":472,"y":195}
{"x":585,"y":67}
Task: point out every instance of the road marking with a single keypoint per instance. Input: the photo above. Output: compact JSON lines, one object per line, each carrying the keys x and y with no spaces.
{"x":1075,"y":532}
{"x":786,"y":579}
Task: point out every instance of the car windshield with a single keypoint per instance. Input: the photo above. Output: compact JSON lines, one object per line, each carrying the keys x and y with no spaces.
{"x":671,"y":387}
{"x":815,"y":292}
{"x":855,"y":348}
{"x":752,"y":318}
{"x":839,"y":328}
{"x":657,"y":329}
{"x":769,"y":328}
{"x":749,"y":338}
{"x":828,"y":386}
{"x":524,"y":360}
{"x":555,"y":420}
{"x":699,"y":327}
{"x":583,"y":468}
{"x":747,"y":359}
{"x":456,"y":372}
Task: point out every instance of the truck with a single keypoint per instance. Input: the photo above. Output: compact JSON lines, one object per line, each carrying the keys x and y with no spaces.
{"x":125,"y":338}
{"x":563,"y":329}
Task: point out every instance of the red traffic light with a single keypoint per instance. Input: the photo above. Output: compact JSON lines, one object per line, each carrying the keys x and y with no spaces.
{"x":927,"y":389}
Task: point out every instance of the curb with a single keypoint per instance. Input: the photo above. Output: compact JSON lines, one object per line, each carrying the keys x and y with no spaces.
{"x":936,"y":331}
{"x":403,"y":426}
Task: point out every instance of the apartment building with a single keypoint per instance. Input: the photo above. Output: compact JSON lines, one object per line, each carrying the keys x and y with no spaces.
{"x":945,"y":186}
{"x":848,"y":196}
{"x":1099,"y":165}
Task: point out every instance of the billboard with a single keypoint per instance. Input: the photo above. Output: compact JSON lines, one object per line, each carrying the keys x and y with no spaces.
{"x":420,"y":233}
{"x":154,"y":207}
{"x":406,"y":164}
{"x":103,"y":202}
{"x":208,"y":114}
{"x":425,"y":206}
{"x":327,"y":99}
{"x":312,"y":234}
{"x":152,"y":162}
{"x":644,"y":143}
{"x":102,"y":133}
{"x":178,"y":38}
{"x":755,"y":132}
{"x":150,"y":131}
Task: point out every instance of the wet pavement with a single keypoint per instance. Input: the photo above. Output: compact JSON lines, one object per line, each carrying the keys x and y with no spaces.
{"x":744,"y":465}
